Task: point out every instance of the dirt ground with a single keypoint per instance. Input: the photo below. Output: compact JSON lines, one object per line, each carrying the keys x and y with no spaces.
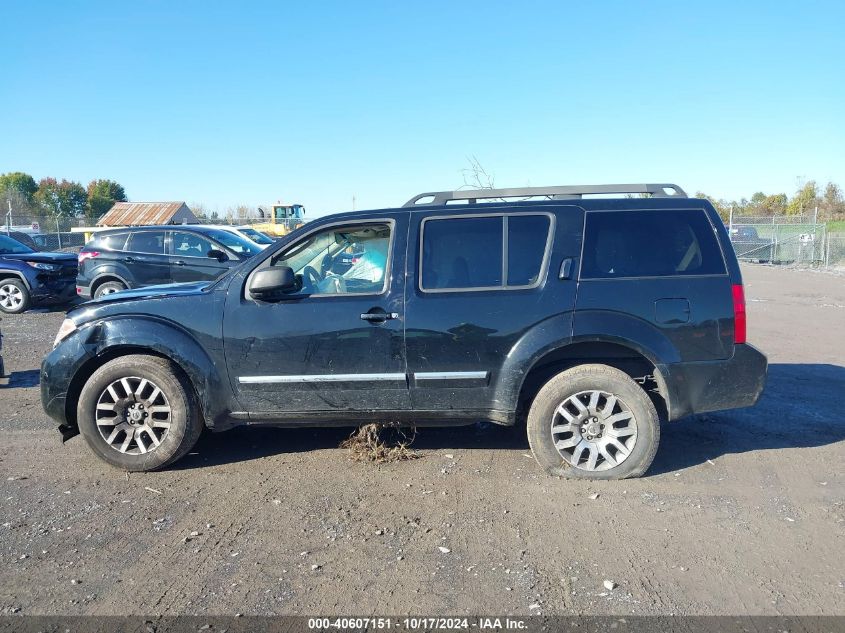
{"x":741,"y":513}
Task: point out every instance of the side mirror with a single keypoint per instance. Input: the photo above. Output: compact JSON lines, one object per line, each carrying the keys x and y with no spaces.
{"x":217,"y":254}
{"x":271,"y":281}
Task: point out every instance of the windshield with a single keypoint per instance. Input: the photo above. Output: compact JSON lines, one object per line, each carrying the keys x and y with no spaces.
{"x":234,"y":242}
{"x":8,"y":246}
{"x":256,"y":236}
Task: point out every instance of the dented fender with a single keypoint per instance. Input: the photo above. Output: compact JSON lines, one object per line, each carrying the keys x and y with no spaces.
{"x":65,"y":369}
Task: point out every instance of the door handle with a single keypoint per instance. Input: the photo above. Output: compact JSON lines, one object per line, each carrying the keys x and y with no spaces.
{"x":129,"y":260}
{"x":179,"y":263}
{"x":379,"y":317}
{"x":566,"y":269}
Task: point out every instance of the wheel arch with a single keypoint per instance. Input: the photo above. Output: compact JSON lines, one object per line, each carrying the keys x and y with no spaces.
{"x":10,"y":273}
{"x":106,"y":277}
{"x":639,"y":363}
{"x":112,"y":339}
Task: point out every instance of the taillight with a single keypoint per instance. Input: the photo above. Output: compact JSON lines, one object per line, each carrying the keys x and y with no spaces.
{"x":739,"y":313}
{"x":83,"y":255}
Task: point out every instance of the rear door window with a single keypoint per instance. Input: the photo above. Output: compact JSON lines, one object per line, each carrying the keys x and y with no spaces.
{"x":484,"y":252}
{"x":527,"y":238}
{"x":650,"y":244}
{"x":151,"y":242}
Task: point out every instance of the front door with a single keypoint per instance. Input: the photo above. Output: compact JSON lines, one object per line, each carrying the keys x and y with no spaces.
{"x":189,"y":260}
{"x":336,"y":343}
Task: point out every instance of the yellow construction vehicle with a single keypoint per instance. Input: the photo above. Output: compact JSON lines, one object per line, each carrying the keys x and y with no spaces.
{"x":279,"y":219}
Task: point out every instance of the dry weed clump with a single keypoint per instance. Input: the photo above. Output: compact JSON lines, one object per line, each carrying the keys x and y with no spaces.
{"x":379,"y":443}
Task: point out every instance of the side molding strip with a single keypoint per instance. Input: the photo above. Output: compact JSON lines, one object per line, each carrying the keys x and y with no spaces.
{"x":252,"y":380}
{"x":450,"y":375}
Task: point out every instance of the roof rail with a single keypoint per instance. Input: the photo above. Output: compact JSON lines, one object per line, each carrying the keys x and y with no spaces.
{"x":568,"y":192}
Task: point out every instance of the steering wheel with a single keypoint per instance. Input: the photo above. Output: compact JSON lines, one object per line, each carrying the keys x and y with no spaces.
{"x":312,"y":277}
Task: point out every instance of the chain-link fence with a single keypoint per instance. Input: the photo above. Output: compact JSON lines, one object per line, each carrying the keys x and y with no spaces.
{"x":46,"y":233}
{"x":798,"y":240}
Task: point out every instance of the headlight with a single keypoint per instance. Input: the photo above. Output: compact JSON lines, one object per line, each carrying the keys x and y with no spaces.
{"x":67,"y":328}
{"x":43,"y":266}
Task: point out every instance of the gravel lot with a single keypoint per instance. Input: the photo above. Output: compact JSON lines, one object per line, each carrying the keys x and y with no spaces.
{"x":742,"y":512}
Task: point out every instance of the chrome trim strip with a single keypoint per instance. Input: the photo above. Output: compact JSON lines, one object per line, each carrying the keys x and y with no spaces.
{"x":450,"y":375}
{"x":251,"y":380}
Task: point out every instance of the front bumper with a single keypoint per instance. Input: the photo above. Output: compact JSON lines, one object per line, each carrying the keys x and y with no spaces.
{"x":715,"y":385}
{"x":53,"y":289}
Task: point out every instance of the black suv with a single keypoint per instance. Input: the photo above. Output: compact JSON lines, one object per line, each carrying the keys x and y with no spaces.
{"x":594,"y":318}
{"x":118,"y":259}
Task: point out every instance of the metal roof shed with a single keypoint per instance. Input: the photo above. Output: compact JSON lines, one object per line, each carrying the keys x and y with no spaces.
{"x":145,"y":213}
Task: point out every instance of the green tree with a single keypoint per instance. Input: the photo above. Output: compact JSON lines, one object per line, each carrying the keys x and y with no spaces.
{"x":102,"y":194}
{"x":66,"y":197}
{"x":723,"y":207}
{"x":832,"y":203}
{"x":805,"y":200}
{"x":20,"y":182}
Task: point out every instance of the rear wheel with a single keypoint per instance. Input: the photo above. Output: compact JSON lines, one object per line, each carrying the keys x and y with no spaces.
{"x":107,"y":288}
{"x":593,"y":422}
{"x":14,"y":296}
{"x":139,"y":413}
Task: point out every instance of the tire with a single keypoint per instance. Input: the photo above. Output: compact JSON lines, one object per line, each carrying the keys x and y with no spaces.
{"x":108,"y":288}
{"x":14,"y":296}
{"x":170,"y":417}
{"x":620,"y":453}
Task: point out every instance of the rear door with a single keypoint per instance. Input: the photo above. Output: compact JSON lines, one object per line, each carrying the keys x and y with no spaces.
{"x":478,"y":282}
{"x":663,"y":267}
{"x":145,"y":259}
{"x":189,"y":260}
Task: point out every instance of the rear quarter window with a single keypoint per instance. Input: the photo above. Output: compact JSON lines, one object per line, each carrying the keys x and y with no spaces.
{"x":650,"y":244}
{"x":110,"y":242}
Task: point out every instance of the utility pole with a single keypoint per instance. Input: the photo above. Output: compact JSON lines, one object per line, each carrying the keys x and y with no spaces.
{"x":353,"y":202}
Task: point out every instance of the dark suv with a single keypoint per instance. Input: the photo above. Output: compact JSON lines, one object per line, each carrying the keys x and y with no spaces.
{"x":118,"y":259}
{"x":593,"y":319}
{"x":30,"y":277}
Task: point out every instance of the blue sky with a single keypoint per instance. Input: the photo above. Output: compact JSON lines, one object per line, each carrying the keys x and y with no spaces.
{"x":226,"y":103}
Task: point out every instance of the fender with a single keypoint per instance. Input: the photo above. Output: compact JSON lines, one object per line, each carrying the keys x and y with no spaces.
{"x":569,"y":328}
{"x":134,"y":333}
{"x":17,"y":275}
{"x":108,"y":271}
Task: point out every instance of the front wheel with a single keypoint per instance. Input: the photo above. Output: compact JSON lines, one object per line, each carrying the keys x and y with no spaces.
{"x":14,"y":296}
{"x":593,"y":422}
{"x":139,"y":413}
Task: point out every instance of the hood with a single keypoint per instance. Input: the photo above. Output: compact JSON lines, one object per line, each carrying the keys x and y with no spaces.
{"x":151,"y":292}
{"x":45,"y":258}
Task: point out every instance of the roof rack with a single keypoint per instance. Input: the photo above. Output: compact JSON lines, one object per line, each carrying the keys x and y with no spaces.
{"x":568,"y":192}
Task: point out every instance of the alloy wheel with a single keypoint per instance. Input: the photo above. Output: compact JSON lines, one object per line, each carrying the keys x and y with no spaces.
{"x":11,"y":297}
{"x":133,"y":415}
{"x":594,"y":430}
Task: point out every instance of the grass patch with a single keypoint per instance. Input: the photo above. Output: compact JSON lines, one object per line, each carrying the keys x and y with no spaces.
{"x":379,"y":443}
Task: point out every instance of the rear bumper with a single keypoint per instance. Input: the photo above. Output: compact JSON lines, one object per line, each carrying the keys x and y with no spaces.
{"x":716,"y":385}
{"x":83,"y":291}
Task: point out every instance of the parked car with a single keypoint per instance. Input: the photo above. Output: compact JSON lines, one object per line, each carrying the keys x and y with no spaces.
{"x":592,"y":319}
{"x":237,"y":230}
{"x":23,"y":238}
{"x":59,"y":241}
{"x":256,"y":236}
{"x":749,"y":246}
{"x":120,"y":259}
{"x":29,"y":277}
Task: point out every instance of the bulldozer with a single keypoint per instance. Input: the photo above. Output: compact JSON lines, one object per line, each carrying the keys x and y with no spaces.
{"x":279,"y":219}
